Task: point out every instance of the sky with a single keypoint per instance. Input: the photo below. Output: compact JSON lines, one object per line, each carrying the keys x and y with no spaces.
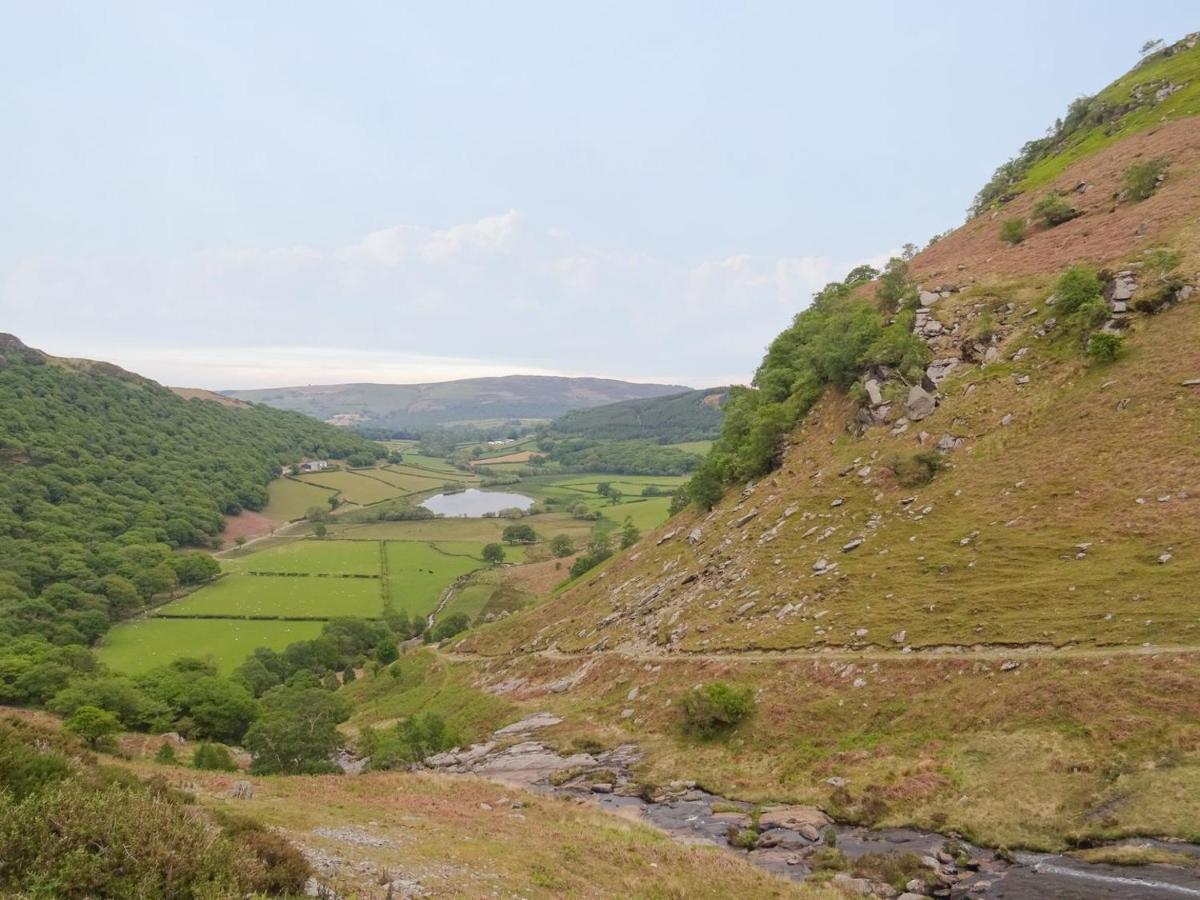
{"x":234,"y":195}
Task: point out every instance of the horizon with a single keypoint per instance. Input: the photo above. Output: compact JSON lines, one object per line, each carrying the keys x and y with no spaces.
{"x":466,"y":193}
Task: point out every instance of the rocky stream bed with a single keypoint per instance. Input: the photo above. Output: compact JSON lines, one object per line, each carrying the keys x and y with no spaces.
{"x":796,"y":841}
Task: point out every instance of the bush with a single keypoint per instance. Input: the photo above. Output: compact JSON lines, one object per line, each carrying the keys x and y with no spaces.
{"x":284,"y":870}
{"x":715,"y":708}
{"x":1141,"y":179}
{"x":1051,"y":210}
{"x":1013,"y":231}
{"x":919,"y":469}
{"x":94,"y":725}
{"x":1077,"y":288}
{"x":493,"y":554}
{"x":449,"y":627}
{"x":214,"y":758}
{"x":561,"y":545}
{"x":165,"y":755}
{"x":1104,"y":347}
{"x":407,"y":742}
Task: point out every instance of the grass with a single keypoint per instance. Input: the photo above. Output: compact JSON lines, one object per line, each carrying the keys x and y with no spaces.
{"x":468,"y":838}
{"x":412,"y":481}
{"x":481,"y":531}
{"x":700,"y":448}
{"x":1135,"y":855}
{"x":418,"y":573}
{"x":362,"y":489}
{"x":312,"y":557}
{"x":488,"y":594}
{"x":647,"y":514}
{"x":1182,"y":68}
{"x":269,"y":595}
{"x":140,"y":646}
{"x":289,"y":499}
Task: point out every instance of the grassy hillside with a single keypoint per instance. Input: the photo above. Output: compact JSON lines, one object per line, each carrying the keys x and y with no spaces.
{"x":470,"y":400}
{"x":692,"y":416}
{"x":961,"y":574}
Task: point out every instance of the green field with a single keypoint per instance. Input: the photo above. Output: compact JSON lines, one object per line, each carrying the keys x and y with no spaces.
{"x":418,"y":573}
{"x":647,"y":514}
{"x":700,"y":448}
{"x":269,"y":595}
{"x":311,"y":557}
{"x":411,"y":458}
{"x":412,"y":481}
{"x":480,"y":531}
{"x":355,"y":487}
{"x":289,"y":499}
{"x":139,"y":646}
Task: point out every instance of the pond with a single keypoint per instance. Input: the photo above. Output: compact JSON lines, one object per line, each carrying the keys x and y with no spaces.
{"x":475,"y":503}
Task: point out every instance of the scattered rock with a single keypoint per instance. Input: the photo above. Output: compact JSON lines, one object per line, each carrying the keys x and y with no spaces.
{"x":928,"y":298}
{"x":852,"y":545}
{"x":529,"y":723}
{"x":900,"y":636}
{"x":242,"y":790}
{"x":743,"y":519}
{"x":1164,"y":559}
{"x":920,"y":404}
{"x":874,"y":394}
{"x":695,"y":536}
{"x":797,"y":818}
{"x":1008,"y":665}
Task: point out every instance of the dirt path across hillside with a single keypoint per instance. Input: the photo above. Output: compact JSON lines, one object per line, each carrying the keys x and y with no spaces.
{"x":1015,"y":653}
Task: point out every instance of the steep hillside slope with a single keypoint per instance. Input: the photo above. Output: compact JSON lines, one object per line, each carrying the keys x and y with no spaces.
{"x":965,"y":587}
{"x":692,"y":416}
{"x":469,"y":400}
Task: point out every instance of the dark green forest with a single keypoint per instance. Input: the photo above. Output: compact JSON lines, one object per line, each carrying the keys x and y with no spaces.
{"x":692,"y":416}
{"x":105,"y":476}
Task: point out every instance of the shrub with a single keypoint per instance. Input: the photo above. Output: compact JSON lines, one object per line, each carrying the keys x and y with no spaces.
{"x":1141,"y":179}
{"x":1013,"y":231}
{"x":561,"y":545}
{"x":715,"y":708}
{"x":1104,"y":347}
{"x":407,"y":742}
{"x":284,"y":870}
{"x":1078,"y":287}
{"x":448,"y":627}
{"x":92,"y":724}
{"x":214,"y":758}
{"x":919,"y":469}
{"x":1051,"y":210}
{"x":165,"y":755}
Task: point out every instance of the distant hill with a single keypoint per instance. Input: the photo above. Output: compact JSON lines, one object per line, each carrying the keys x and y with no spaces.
{"x":690,"y":416}
{"x":467,"y":401}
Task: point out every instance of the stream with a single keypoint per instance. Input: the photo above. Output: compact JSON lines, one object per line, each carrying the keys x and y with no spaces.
{"x":789,"y":835}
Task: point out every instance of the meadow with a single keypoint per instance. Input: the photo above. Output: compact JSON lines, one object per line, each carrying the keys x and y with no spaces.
{"x":279,"y":595}
{"x":289,"y":499}
{"x":355,"y":487}
{"x":143,"y":645}
{"x":310,"y":557}
{"x":419,"y":572}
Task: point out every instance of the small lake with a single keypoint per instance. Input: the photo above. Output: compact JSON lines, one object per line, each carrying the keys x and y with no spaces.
{"x":475,"y":503}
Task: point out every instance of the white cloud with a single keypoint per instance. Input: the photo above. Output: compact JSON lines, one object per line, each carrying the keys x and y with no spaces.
{"x":415,"y":303}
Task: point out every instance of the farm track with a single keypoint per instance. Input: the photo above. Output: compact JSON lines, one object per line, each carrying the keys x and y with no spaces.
{"x":1016,"y":652}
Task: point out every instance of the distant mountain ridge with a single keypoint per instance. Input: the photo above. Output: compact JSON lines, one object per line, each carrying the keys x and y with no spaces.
{"x":689,"y":416}
{"x":465,"y":401}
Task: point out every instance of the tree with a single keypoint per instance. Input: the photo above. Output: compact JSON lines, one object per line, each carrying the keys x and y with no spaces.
{"x":493,"y":554}
{"x":705,"y":487}
{"x":561,"y":545}
{"x":165,"y":755}
{"x":348,"y":676}
{"x":615,"y":496}
{"x":319,"y":530}
{"x":629,"y":534}
{"x":297,"y":733}
{"x":92,"y":724}
{"x":518,"y":534}
{"x":603,"y":488}
{"x":386,"y":652}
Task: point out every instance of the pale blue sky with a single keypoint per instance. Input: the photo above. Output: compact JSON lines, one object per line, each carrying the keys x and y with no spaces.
{"x":242,"y":194}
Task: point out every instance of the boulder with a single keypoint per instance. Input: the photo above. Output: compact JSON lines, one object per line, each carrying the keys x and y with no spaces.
{"x":928,"y":298}
{"x":794,"y":817}
{"x":530,"y":723}
{"x":940,"y":368}
{"x":874,"y":393}
{"x":920,"y":404}
{"x":743,"y":519}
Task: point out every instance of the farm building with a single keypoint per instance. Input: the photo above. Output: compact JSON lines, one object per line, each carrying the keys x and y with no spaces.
{"x":313,"y":465}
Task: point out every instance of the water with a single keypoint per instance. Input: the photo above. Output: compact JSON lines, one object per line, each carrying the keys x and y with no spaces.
{"x":475,"y":503}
